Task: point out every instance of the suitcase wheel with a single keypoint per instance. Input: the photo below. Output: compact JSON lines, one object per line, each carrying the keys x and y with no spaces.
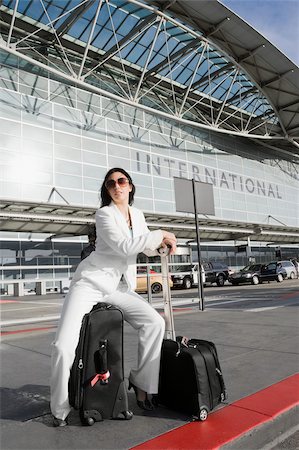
{"x":89,"y":421}
{"x":203,"y":415}
{"x":127,"y":414}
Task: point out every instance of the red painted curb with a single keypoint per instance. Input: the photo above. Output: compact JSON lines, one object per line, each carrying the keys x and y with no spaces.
{"x":232,"y":421}
{"x":28,"y":330}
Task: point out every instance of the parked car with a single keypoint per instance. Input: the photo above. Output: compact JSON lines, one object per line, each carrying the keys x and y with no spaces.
{"x":216,"y":272}
{"x":289,"y":268}
{"x":186,"y":276}
{"x":296,"y":264}
{"x":273,"y":271}
{"x":155,"y":281}
{"x":249,"y":274}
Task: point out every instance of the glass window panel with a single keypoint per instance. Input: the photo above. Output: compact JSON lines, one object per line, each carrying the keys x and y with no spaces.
{"x":67,"y":113}
{"x":91,"y":199}
{"x":73,"y":196}
{"x":67,"y":139}
{"x":120,"y":139}
{"x":143,"y":204}
{"x":94,"y":158}
{"x":10,"y":127}
{"x":37,"y":148}
{"x":72,"y":168}
{"x":10,"y":142}
{"x":146,"y":192}
{"x":37,"y":133}
{"x":10,"y":105}
{"x":38,"y":93}
{"x":119,"y":162}
{"x":163,"y":194}
{"x":64,"y":152}
{"x":117,"y":150}
{"x":141,"y":180}
{"x":30,"y":79}
{"x":67,"y":126}
{"x":94,"y":145}
{"x":68,"y":181}
{"x":162,"y":183}
{"x":164,"y":206}
{"x":119,"y":127}
{"x":6,"y":84}
{"x":94,"y":133}
{"x":92,"y":184}
{"x":38,"y":193}
{"x":89,"y":107}
{"x":9,"y":74}
{"x":92,"y":171}
{"x":9,"y":189}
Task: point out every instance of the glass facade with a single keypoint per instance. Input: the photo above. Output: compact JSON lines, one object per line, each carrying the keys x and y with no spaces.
{"x":55,"y":135}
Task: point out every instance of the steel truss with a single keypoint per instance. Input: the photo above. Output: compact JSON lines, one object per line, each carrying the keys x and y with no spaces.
{"x":146,"y":57}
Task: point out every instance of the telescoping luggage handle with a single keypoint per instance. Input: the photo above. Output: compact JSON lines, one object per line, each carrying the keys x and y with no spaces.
{"x":169,"y":324}
{"x":103,"y":373}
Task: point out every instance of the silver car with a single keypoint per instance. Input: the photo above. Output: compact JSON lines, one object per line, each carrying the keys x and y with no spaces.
{"x":289,"y":267}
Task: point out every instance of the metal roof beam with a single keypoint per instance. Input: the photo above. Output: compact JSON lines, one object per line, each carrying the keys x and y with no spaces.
{"x":212,"y":75}
{"x":228,"y":66}
{"x":277,"y":78}
{"x":288,"y":105}
{"x":217,"y":27}
{"x":172,"y":58}
{"x":75,"y":15}
{"x":142,"y":26}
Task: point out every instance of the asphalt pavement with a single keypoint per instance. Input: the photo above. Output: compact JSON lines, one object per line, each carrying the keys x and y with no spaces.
{"x":255,"y":329}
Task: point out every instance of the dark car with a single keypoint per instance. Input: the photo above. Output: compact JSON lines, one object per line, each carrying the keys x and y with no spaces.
{"x":249,"y":274}
{"x":273,"y":271}
{"x":216,"y":273}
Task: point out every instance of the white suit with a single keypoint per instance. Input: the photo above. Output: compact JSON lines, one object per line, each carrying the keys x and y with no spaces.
{"x":97,"y":279}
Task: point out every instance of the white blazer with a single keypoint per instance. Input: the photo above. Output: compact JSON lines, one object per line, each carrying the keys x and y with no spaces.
{"x":116,"y":249}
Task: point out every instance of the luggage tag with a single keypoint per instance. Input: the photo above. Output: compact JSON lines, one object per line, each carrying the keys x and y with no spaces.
{"x":101,"y":364}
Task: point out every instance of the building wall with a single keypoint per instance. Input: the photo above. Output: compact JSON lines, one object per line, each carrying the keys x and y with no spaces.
{"x":55,"y":135}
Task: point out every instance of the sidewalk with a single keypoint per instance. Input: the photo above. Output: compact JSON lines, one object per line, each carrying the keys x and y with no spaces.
{"x":256,"y":350}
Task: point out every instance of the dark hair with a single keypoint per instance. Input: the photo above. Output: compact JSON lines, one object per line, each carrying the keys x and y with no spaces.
{"x":105,"y":196}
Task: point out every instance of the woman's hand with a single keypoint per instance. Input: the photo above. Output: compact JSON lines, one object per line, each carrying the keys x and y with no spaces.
{"x":167,"y":235}
{"x":169,"y":240}
{"x":171,"y":244}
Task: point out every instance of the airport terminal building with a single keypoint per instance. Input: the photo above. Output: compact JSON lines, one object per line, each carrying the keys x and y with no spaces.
{"x":162,"y":89}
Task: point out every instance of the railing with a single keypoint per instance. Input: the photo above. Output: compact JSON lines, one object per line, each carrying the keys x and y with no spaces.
{"x":18,"y":286}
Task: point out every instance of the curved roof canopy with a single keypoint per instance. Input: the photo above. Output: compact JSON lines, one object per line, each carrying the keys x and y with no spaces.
{"x":194,"y":61}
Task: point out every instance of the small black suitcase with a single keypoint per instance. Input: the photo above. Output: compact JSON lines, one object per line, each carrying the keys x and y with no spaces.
{"x":96,"y":385}
{"x":190,"y":377}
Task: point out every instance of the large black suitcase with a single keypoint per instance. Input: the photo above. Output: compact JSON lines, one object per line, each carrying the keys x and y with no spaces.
{"x":191,"y":380}
{"x":96,"y":385}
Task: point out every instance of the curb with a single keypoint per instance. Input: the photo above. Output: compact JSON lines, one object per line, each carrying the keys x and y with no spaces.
{"x":252,"y":422}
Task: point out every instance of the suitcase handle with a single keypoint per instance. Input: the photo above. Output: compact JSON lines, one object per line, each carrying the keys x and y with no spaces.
{"x":101,"y":364}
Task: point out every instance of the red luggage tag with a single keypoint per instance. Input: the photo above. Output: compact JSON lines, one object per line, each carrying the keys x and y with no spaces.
{"x":101,"y":377}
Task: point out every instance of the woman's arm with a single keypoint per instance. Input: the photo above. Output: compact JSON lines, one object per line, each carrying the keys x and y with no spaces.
{"x":109,"y":232}
{"x":169,"y":240}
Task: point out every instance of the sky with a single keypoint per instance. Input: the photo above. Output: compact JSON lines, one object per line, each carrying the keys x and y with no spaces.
{"x":277,"y":20}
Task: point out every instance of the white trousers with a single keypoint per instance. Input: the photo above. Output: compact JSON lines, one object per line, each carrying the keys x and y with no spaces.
{"x":137,"y":312}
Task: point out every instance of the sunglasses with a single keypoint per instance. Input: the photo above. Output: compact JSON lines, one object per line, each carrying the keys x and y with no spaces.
{"x":110,"y":184}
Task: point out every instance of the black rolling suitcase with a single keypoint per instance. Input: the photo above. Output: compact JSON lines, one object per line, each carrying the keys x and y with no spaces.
{"x":190,"y":377}
{"x":96,"y":385}
{"x":191,"y":380}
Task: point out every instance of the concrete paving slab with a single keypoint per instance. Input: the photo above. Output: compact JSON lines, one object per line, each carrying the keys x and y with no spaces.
{"x":255,"y":350}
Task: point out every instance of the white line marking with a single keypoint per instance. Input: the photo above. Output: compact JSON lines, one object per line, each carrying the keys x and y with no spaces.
{"x":266,"y":308}
{"x":26,"y":309}
{"x":7,"y":323}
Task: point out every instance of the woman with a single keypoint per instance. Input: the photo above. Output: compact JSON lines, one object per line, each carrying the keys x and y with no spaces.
{"x":121,"y":234}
